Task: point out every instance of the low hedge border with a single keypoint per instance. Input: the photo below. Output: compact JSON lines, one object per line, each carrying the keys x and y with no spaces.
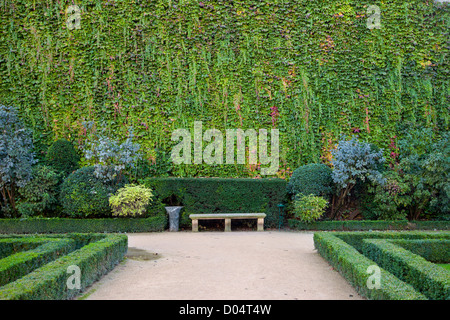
{"x":10,"y":246}
{"x":354,"y":225}
{"x":355,"y":238}
{"x":69,"y":225}
{"x":421,"y":274}
{"x":433,"y":250}
{"x":19,"y":264}
{"x":354,"y":266}
{"x":50,"y":281}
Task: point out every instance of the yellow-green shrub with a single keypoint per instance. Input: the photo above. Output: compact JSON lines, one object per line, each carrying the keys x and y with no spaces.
{"x":309,"y":208}
{"x":131,"y":200}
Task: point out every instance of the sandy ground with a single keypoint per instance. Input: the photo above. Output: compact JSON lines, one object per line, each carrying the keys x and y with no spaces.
{"x":241,"y":265}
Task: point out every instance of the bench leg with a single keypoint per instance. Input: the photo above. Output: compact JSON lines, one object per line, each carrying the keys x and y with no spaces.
{"x":260,"y":224}
{"x":227,"y":225}
{"x":195,"y":225}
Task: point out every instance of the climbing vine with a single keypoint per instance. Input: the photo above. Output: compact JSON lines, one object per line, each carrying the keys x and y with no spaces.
{"x":311,"y":69}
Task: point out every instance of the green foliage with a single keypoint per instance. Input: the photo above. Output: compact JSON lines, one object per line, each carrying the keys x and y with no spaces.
{"x":313,"y":70}
{"x":353,"y":162}
{"x":18,"y":265}
{"x":309,"y":208}
{"x":218,"y":195}
{"x":131,"y":200}
{"x":96,"y":255}
{"x":419,"y":182}
{"x":314,"y":178}
{"x":84,"y":195}
{"x":353,"y":266}
{"x":12,"y":246}
{"x":39,"y":196}
{"x":67,"y":225}
{"x":436,"y":168}
{"x":424,"y":276}
{"x":16,"y":157}
{"x":63,"y":157}
{"x":365,"y":225}
{"x":160,"y":166}
{"x":433,"y":250}
{"x":403,"y":275}
{"x":393,"y":198}
{"x":109,"y":157}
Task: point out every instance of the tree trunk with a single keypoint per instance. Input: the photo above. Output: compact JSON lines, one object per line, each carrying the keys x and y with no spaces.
{"x":341,"y":198}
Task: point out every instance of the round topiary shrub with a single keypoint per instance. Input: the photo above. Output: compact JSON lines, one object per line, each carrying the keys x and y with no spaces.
{"x":314,"y":178}
{"x":84,"y":195}
{"x":63,"y":157}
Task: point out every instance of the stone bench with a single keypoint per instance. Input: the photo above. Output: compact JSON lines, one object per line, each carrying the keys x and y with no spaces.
{"x":227,"y":217}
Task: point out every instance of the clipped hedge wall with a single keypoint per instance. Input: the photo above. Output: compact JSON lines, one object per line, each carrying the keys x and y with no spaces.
{"x":353,"y":266}
{"x":17,"y":265}
{"x":220,"y":195}
{"x":67,"y":225}
{"x":10,"y":246}
{"x":366,"y":225}
{"x":421,"y":274}
{"x":347,"y":252}
{"x":98,"y":256}
{"x":355,"y":239}
{"x":433,"y":250}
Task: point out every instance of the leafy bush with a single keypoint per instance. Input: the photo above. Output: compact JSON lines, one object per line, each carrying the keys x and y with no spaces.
{"x":309,"y":208}
{"x":354,"y":161}
{"x":16,"y":157}
{"x":63,"y":157}
{"x":436,"y":168}
{"x":131,"y":200}
{"x":418,"y":183}
{"x":109,"y":158}
{"x":40,"y":194}
{"x":84,"y":195}
{"x":314,"y":178}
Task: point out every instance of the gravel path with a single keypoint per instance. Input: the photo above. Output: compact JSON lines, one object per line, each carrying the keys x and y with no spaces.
{"x":240,"y":265}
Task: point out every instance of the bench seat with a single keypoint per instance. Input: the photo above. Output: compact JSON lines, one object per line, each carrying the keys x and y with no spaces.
{"x":227,"y":217}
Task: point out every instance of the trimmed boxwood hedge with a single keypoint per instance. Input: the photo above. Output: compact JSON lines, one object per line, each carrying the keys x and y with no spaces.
{"x":344,"y":251}
{"x":97,"y":254}
{"x":353,"y":266}
{"x":221,"y":195}
{"x":409,"y":267}
{"x":355,"y":239}
{"x":10,"y":246}
{"x":68,"y":225}
{"x":433,"y":250}
{"x":349,"y":225}
{"x":19,"y":264}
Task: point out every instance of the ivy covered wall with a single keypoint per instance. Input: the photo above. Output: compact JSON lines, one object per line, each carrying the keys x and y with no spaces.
{"x":311,"y":69}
